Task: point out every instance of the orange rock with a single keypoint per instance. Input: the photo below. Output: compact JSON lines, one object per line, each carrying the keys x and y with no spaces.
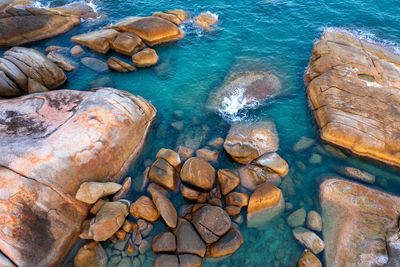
{"x":145,"y":58}
{"x":199,"y":173}
{"x":189,"y":193}
{"x":171,"y":157}
{"x":144,"y":208}
{"x":91,"y":254}
{"x":309,"y":260}
{"x":233,"y":210}
{"x":98,"y":41}
{"x":207,"y":154}
{"x":162,"y":173}
{"x":170,"y":17}
{"x":237,"y":199}
{"x":127,"y":43}
{"x":227,"y":180}
{"x":120,"y":234}
{"x":180,"y":13}
{"x":165,"y":207}
{"x":252,"y":176}
{"x":205,"y":20}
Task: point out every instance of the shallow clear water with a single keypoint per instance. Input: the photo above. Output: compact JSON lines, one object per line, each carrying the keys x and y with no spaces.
{"x":273,"y":35}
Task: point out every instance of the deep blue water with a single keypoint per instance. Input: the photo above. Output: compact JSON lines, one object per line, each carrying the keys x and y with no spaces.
{"x":274,"y":35}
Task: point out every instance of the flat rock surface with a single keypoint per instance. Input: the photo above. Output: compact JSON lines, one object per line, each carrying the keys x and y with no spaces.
{"x":353,"y":91}
{"x":44,"y":158}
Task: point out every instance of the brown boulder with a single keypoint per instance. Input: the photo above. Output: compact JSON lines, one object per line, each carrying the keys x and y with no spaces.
{"x":90,"y":192}
{"x":189,"y":193}
{"x":247,"y":142}
{"x":98,"y":41}
{"x":352,"y":89}
{"x":61,"y":61}
{"x":7,"y":87}
{"x":145,"y":58}
{"x":237,"y":199}
{"x":171,"y":156}
{"x":127,"y":43}
{"x":227,"y":180}
{"x":265,"y":204}
{"x":205,"y":20}
{"x":180,"y":13}
{"x":91,"y":254}
{"x":252,"y":176}
{"x":273,"y":162}
{"x":165,"y":207}
{"x":164,"y":242}
{"x":170,"y":17}
{"x":166,"y":260}
{"x":199,"y":173}
{"x":33,"y":24}
{"x":44,"y":164}
{"x":187,"y":239}
{"x":227,"y":245}
{"x":309,"y":260}
{"x":207,"y":154}
{"x":189,"y":260}
{"x":119,"y":65}
{"x":356,"y":219}
{"x":152,"y":30}
{"x":144,"y":208}
{"x":233,"y":210}
{"x":211,"y":222}
{"x":162,"y":173}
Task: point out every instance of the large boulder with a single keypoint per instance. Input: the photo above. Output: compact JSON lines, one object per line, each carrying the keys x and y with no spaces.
{"x":227,"y":245}
{"x":152,"y":30}
{"x":356,"y":220}
{"x":243,"y":90}
{"x":199,"y":173}
{"x":44,"y":158}
{"x":165,"y":207}
{"x":188,"y":240}
{"x":144,"y":208}
{"x":33,"y":24}
{"x":145,"y":58}
{"x":247,"y":142}
{"x":352,"y":89}
{"x":162,"y":173}
{"x":98,"y":40}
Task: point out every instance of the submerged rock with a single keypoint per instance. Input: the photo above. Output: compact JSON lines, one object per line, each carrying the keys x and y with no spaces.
{"x":46,"y":158}
{"x":206,"y":19}
{"x":309,"y":239}
{"x":297,"y":218}
{"x":91,"y":254}
{"x":247,"y":142}
{"x":243,"y":90}
{"x":352,"y":89}
{"x":356,"y":174}
{"x":94,"y":64}
{"x":356,"y":219}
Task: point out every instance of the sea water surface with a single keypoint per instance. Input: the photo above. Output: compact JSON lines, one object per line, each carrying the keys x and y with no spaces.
{"x":271,"y":35}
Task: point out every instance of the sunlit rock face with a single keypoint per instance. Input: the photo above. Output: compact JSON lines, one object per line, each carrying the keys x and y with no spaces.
{"x":50,"y":143}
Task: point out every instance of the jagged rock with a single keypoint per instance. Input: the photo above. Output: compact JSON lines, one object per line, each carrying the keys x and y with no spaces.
{"x":144,"y":208}
{"x":227,"y":180}
{"x":199,"y":173}
{"x":162,"y":173}
{"x":247,"y":142}
{"x":187,"y":239}
{"x":164,"y":242}
{"x":90,"y":192}
{"x":119,"y":65}
{"x":39,"y":199}
{"x":98,"y":40}
{"x":309,"y":239}
{"x":91,"y":254}
{"x":127,"y":43}
{"x":165,"y":207}
{"x":227,"y":245}
{"x":145,"y":58}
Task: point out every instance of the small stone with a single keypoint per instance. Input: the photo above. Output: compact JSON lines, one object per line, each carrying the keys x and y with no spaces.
{"x":227,"y":180}
{"x":178,"y":114}
{"x":356,"y":174}
{"x":315,"y":159}
{"x":120,"y":234}
{"x":237,"y":199}
{"x":215,"y":202}
{"x":205,"y":20}
{"x":303,"y":144}
{"x":94,"y":64}
{"x":185,"y":152}
{"x":144,"y":246}
{"x":126,"y":187}
{"x":177,"y":125}
{"x":309,"y":260}
{"x":91,"y":254}
{"x":216,"y":142}
{"x":171,"y":157}
{"x":207,"y":155}
{"x":233,"y":210}
{"x":96,"y":207}
{"x":273,"y":162}
{"x":90,"y":192}
{"x":297,"y":218}
{"x":314,"y":221}
{"x":164,"y":174}
{"x":127,"y":226}
{"x":164,"y":242}
{"x":119,"y":65}
{"x":145,"y":58}
{"x":76,"y":50}
{"x":288,"y":206}
{"x":309,"y":239}
{"x":125,"y":262}
{"x":136,"y":262}
{"x":144,"y":208}
{"x":189,"y":193}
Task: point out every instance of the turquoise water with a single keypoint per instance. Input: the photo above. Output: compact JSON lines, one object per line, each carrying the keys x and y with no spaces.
{"x":274,"y":35}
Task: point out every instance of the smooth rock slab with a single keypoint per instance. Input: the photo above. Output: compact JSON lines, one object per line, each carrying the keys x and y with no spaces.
{"x":356,"y":219}
{"x":46,"y":158}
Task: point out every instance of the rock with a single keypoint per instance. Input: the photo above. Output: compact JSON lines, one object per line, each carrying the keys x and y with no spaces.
{"x":189,"y":260}
{"x":144,"y":246}
{"x":171,"y":157}
{"x":249,"y":88}
{"x":76,"y":50}
{"x":33,"y":24}
{"x":227,"y":180}
{"x":309,"y":239}
{"x":108,"y":220}
{"x":265,"y":204}
{"x":152,"y":30}
{"x":127,"y":43}
{"x":79,"y":9}
{"x":145,"y":58}
{"x":189,"y":193}
{"x":96,"y":207}
{"x":31,"y":64}
{"x":356,"y":112}
{"x":208,"y":155}
{"x":237,"y":199}
{"x":7,"y":87}
{"x":162,"y":173}
{"x":144,"y":208}
{"x":205,"y":20}
{"x":180,"y":13}
{"x":199,"y":173}
{"x":247,"y":142}
{"x":170,"y":17}
{"x":166,"y":260}
{"x":252,"y":176}
{"x":14,"y":75}
{"x":356,"y":219}
{"x":61,"y":61}
{"x":227,"y":245}
{"x":303,"y":144}
{"x":126,"y":187}
{"x":273,"y":162}
{"x":297,"y":218}
{"x":91,"y":254}
{"x":211,"y":222}
{"x":35,"y":87}
{"x":216,"y":142}
{"x":90,"y":192}
{"x":356,"y":174}
{"x":98,"y":41}
{"x":164,"y":242}
{"x":233,"y":210}
{"x":53,"y":48}
{"x":187,"y":239}
{"x":94,"y":64}
{"x":315,"y":159}
{"x":309,"y":260}
{"x":119,"y":65}
{"x":125,"y":262}
{"x":185,"y":152}
{"x":165,"y":207}
{"x":314,"y":221}
{"x":144,"y":227}
{"x":45,"y":187}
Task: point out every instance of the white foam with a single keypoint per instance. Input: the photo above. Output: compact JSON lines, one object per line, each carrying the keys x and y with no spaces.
{"x":93,"y":6}
{"x":215,"y":16}
{"x":232,"y":105}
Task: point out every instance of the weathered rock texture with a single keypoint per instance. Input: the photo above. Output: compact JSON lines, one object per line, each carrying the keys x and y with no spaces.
{"x":353,"y":89}
{"x":356,"y":220}
{"x":50,"y":143}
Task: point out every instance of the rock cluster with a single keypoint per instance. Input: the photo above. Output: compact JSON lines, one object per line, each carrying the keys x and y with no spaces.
{"x":26,"y":71}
